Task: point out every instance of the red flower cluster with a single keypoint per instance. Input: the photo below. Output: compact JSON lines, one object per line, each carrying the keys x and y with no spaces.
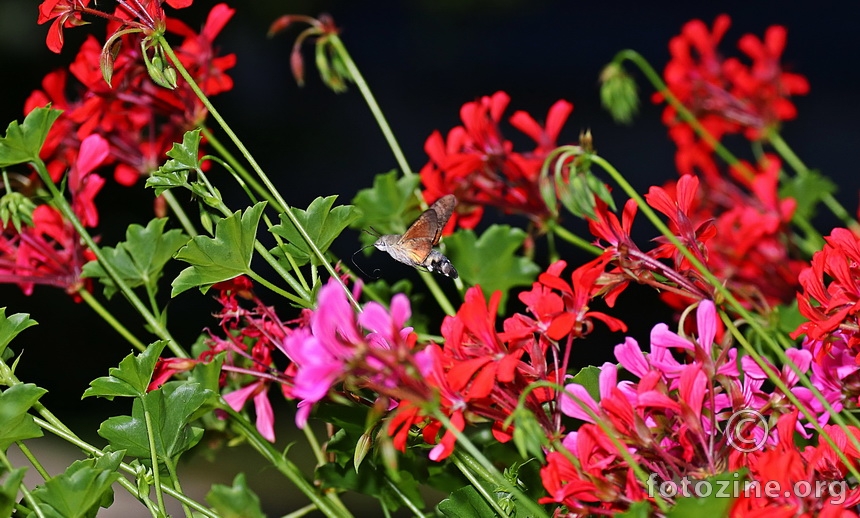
{"x":832,"y":307}
{"x":739,"y":231}
{"x":811,"y":481}
{"x":479,"y":166}
{"x":129,"y":125}
{"x":726,"y":95}
{"x":250,"y":336}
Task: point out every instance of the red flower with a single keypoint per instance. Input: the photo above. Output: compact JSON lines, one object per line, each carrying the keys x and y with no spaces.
{"x":478,"y":165}
{"x":727,"y":96}
{"x":48,"y":252}
{"x":65,"y":13}
{"x":832,"y":307}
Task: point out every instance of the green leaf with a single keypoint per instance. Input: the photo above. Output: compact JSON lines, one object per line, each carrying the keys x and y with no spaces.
{"x":807,"y":190}
{"x":184,"y":158}
{"x":138,"y":260}
{"x":371,"y":480}
{"x":81,"y":489}
{"x":709,"y":497}
{"x":235,"y":502}
{"x":388,"y":206}
{"x":23,"y":142}
{"x":589,"y":377}
{"x":15,"y":423}
{"x":11,"y":326}
{"x":322,"y":223}
{"x":223,"y":257}
{"x":640,"y":509}
{"x":9,"y":489}
{"x":185,"y":155}
{"x":171,"y":408}
{"x":131,"y":378}
{"x":489,"y":261}
{"x":465,"y":502}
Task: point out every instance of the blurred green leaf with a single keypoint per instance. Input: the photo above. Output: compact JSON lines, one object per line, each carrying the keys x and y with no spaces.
{"x":807,"y":190}
{"x":9,"y":489}
{"x":465,"y":502}
{"x":709,"y":497}
{"x":140,"y":259}
{"x":223,"y":257}
{"x":322,"y":223}
{"x":237,"y":501}
{"x":589,"y":377}
{"x":131,"y":378}
{"x":388,"y":206}
{"x":489,"y":261}
{"x":82,"y":489}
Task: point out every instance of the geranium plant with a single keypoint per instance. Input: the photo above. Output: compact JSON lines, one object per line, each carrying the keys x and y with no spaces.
{"x":741,"y":406}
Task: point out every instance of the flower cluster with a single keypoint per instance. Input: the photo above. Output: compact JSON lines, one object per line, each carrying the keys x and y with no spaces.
{"x":477,"y":164}
{"x":127,"y":124}
{"x":725,"y":95}
{"x":673,"y":422}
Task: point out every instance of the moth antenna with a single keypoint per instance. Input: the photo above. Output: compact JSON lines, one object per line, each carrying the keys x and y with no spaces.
{"x":373,"y":232}
{"x":359,"y":267}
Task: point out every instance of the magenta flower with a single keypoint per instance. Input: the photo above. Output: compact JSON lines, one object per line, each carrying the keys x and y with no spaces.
{"x":338,"y":344}
{"x":262,"y":407}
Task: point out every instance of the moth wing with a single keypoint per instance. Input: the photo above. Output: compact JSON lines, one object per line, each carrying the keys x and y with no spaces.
{"x":443,"y":208}
{"x":417,"y":241}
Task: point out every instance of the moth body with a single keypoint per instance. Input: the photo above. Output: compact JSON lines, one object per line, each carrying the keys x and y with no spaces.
{"x":415,"y":246}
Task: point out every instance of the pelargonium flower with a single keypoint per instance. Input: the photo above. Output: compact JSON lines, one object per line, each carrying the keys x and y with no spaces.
{"x":671,"y":419}
{"x":830,"y":299}
{"x":791,"y":469}
{"x":835,"y":373}
{"x":740,"y":231}
{"x":139,"y":119}
{"x":478,"y":165}
{"x":726,"y":95}
{"x":335,"y":344}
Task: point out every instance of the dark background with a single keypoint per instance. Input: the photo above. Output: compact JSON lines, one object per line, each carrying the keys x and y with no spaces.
{"x":423,"y":60}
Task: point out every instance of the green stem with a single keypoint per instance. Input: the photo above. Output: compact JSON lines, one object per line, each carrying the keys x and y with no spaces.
{"x":171,"y":468}
{"x":33,"y":460}
{"x":255,"y":166}
{"x":492,"y":474}
{"x":66,"y":210}
{"x":469,"y":468}
{"x":240,"y":170}
{"x":275,"y":289}
{"x":437,"y":293}
{"x":179,"y":212}
{"x":330,"y":505}
{"x":797,"y":164}
{"x":100,"y":310}
{"x":153,"y":457}
{"x":738,"y":308}
{"x":404,"y":499}
{"x":335,"y":41}
{"x":572,"y":238}
{"x":683,"y":112}
{"x":68,"y":436}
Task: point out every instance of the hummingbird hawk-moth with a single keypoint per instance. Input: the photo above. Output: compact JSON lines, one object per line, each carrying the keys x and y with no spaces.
{"x":415,"y":246}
